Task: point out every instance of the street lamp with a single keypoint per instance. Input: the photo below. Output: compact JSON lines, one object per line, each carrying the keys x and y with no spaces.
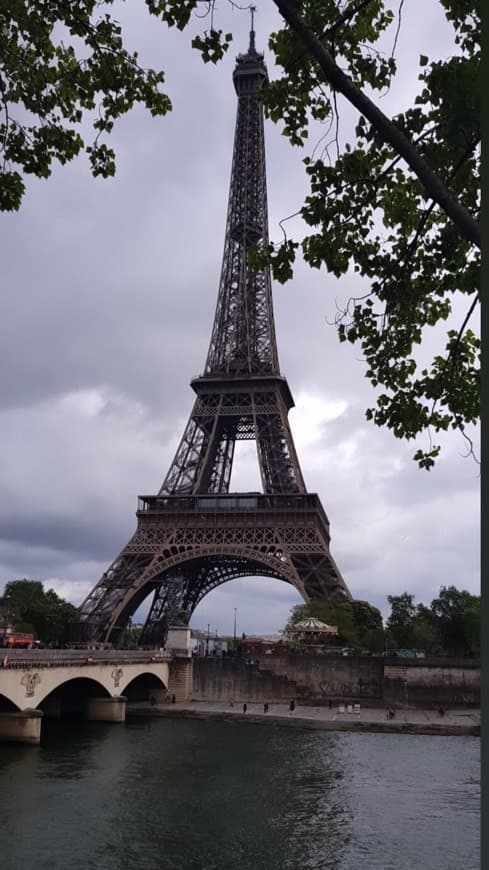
{"x":234,"y":635}
{"x":207,"y":644}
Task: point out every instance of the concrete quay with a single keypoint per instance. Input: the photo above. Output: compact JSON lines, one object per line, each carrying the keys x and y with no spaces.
{"x":456,"y":721}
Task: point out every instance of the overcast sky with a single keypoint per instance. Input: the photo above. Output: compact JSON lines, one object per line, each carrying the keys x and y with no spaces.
{"x":108,"y":295}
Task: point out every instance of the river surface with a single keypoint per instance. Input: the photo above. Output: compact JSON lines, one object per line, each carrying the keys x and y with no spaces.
{"x":183,"y":795}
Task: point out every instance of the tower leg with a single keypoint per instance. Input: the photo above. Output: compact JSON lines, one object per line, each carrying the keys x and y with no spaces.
{"x":166,"y":609}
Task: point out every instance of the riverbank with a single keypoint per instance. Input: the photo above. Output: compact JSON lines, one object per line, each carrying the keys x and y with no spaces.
{"x":455,"y":722}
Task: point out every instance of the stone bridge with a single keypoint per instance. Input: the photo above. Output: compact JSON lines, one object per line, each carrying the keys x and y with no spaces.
{"x":93,"y":684}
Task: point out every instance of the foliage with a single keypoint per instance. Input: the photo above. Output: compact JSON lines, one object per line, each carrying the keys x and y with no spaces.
{"x":450,"y":625}
{"x":366,"y":618}
{"x":30,"y":607}
{"x":59,"y":62}
{"x":456,"y":617}
{"x":401,"y":619}
{"x":424,"y":634}
{"x":129,"y":638}
{"x":374,"y":640}
{"x":368,"y":212}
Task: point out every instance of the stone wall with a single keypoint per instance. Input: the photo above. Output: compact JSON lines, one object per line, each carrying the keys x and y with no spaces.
{"x":331,"y":677}
{"x":225,"y":679}
{"x":180,"y":680}
{"x":319,"y":679}
{"x":424,"y":685}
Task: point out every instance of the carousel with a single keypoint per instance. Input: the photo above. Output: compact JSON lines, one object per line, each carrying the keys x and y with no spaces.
{"x":311,"y":634}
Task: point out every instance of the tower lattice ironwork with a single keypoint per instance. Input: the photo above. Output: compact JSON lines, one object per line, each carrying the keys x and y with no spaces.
{"x":194,"y":534}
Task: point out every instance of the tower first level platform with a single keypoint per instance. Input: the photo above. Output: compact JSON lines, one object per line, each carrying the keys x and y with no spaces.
{"x":185,"y":546}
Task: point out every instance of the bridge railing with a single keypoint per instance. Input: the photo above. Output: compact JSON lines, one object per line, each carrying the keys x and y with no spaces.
{"x":75,"y":658}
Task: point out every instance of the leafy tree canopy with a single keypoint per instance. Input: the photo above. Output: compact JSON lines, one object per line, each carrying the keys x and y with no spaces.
{"x":399,"y":205}
{"x":456,"y":616}
{"x":129,"y":638}
{"x":401,"y":618}
{"x":60,"y":61}
{"x":450,"y":625}
{"x":369,"y":627}
{"x":26,"y":603}
{"x":366,"y":616}
{"x":370,"y":211}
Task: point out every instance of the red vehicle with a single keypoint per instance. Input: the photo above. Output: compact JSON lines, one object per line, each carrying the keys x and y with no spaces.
{"x":10,"y":639}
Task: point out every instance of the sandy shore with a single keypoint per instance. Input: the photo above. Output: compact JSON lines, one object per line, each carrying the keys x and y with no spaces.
{"x":460,"y":721}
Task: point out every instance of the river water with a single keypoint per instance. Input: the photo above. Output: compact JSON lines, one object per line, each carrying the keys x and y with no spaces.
{"x":164,"y":794}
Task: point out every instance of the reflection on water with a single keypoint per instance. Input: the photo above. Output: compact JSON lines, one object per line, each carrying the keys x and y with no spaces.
{"x":185,"y":795}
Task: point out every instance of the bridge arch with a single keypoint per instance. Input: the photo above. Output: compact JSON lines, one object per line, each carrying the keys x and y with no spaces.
{"x":69,"y":696}
{"x":144,"y":687}
{"x":6,"y":705}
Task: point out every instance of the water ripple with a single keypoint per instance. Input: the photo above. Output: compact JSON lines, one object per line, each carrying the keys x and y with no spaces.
{"x":167,"y":795}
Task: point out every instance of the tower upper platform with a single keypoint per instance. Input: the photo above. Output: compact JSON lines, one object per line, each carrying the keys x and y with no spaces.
{"x":250,"y":72}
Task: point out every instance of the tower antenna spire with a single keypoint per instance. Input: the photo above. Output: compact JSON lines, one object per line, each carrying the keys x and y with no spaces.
{"x":252,"y":31}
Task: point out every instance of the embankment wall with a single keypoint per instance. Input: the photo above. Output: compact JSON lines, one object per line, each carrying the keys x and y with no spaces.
{"x":422,"y":685}
{"x":225,"y":679}
{"x":319,"y":679}
{"x":334,"y":677}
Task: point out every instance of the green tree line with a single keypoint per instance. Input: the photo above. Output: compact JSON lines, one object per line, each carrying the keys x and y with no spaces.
{"x":27,"y":606}
{"x":449,"y":625}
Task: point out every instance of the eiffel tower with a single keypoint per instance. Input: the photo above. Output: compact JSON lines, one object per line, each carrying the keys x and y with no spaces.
{"x":194,"y":534}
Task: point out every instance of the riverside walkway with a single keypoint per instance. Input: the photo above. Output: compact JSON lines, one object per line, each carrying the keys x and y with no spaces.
{"x":456,"y":721}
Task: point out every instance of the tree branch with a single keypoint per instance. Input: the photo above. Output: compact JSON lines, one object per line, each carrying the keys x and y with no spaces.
{"x":349,"y":13}
{"x":434,"y":187}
